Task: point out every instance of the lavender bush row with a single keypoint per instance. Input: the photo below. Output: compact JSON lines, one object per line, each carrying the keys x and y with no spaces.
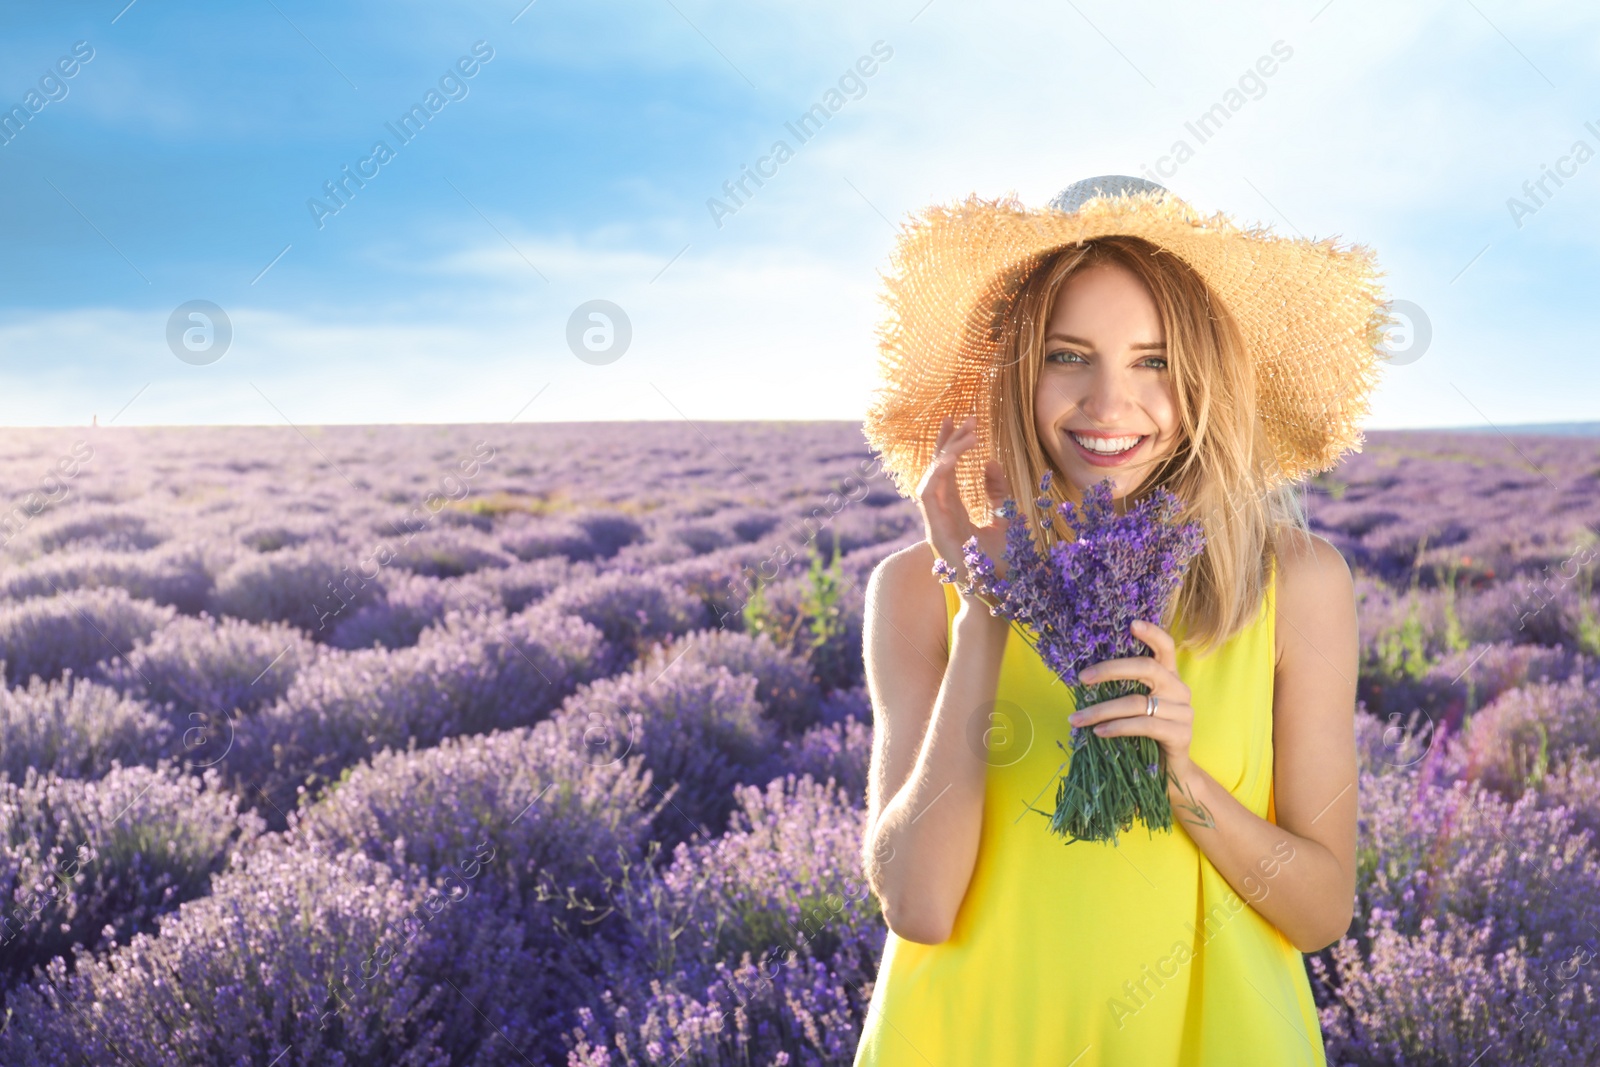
{"x":178,"y":576}
{"x":404,"y":607}
{"x":203,"y":666}
{"x":756,"y":947}
{"x":45,"y":636}
{"x":1511,"y":743}
{"x":1478,"y":912}
{"x":279,"y":963}
{"x":294,"y":585}
{"x":555,"y":818}
{"x":785,"y":687}
{"x":89,"y":863}
{"x":695,"y":726}
{"x":687,"y":644}
{"x":632,"y":611}
{"x":73,"y":727}
{"x":581,"y":536}
{"x":472,"y":674}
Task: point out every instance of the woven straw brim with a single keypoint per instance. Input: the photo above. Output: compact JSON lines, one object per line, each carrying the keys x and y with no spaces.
{"x":1312,"y":314}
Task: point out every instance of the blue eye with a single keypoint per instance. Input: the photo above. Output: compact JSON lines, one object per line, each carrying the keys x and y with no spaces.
{"x":1061,"y":356}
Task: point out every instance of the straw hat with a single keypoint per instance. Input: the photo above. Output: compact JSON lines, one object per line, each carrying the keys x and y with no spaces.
{"x":1311,"y":312}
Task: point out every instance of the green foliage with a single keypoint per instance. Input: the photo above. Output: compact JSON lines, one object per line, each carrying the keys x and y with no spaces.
{"x":759,"y":618}
{"x":1541,"y":759}
{"x":815,"y":629}
{"x":764,"y":926}
{"x":820,"y":603}
{"x":1454,"y":638}
{"x":1588,"y":622}
{"x":1401,"y":651}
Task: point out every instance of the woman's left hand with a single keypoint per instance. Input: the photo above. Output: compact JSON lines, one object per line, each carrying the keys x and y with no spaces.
{"x":1172,"y":724}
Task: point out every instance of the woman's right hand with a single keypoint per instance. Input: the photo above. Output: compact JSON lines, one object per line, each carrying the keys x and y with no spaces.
{"x":945,"y":515}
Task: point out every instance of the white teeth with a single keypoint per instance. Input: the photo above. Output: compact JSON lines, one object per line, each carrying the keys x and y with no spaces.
{"x":1107,"y":445}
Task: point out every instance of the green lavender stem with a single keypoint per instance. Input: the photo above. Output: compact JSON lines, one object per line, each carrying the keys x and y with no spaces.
{"x":1109,"y":783}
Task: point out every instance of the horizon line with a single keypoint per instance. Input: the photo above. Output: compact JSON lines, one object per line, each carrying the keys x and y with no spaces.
{"x":1564,"y":427}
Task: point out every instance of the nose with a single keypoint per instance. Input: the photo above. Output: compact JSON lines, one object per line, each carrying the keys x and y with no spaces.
{"x":1108,"y":396}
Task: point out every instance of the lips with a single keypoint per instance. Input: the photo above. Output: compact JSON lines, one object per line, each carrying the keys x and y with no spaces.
{"x":1109,"y":446}
{"x":1097,"y":458}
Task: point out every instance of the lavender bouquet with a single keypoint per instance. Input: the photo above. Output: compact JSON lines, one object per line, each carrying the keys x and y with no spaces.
{"x":1075,"y":604}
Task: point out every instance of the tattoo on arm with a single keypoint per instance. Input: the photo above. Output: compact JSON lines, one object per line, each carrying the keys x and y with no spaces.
{"x":1197,"y":814}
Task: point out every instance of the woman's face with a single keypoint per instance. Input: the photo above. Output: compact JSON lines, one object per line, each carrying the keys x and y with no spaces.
{"x":1104,"y":405}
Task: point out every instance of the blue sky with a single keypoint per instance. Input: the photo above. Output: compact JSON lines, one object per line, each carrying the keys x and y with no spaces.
{"x":576,"y":164}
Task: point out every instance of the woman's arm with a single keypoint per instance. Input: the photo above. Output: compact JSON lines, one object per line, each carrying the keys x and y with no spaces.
{"x":925,"y":788}
{"x":1300,"y":873}
{"x":925,"y":785}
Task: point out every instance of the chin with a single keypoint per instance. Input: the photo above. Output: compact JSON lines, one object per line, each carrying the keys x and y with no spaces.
{"x":1123,"y":482}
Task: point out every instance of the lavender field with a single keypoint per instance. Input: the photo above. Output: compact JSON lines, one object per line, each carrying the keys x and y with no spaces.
{"x":548,"y":745}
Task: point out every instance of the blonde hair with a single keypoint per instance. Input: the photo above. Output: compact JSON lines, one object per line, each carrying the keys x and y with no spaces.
{"x":1223,"y":455}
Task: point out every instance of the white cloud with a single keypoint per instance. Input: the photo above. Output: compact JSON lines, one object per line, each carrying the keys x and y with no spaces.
{"x":1404,"y":128}
{"x":760,"y":335}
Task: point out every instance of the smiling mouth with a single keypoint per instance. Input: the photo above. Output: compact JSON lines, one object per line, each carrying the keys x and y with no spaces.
{"x":1108,"y":447}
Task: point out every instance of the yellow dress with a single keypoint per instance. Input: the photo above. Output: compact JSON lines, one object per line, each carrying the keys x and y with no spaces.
{"x":1089,"y":955}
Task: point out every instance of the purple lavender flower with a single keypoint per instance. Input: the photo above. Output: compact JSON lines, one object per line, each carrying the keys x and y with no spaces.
{"x":784,"y":686}
{"x":76,"y":728}
{"x":1075,"y":604}
{"x":75,"y":630}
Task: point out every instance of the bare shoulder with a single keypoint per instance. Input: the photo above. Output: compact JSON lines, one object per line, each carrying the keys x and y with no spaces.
{"x":1316,"y":593}
{"x":904,"y":593}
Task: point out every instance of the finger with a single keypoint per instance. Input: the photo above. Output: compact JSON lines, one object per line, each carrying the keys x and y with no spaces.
{"x":1161,"y":730}
{"x":944,"y":432}
{"x":946,"y":464}
{"x":994,"y":481}
{"x":1159,"y":677}
{"x":944,"y":455}
{"x":1130,"y":706}
{"x":1160,"y":642}
{"x":1128,"y":668}
{"x":938,"y":489}
{"x":952,"y":437}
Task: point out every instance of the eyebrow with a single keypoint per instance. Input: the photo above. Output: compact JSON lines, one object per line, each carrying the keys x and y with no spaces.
{"x":1142,"y":347}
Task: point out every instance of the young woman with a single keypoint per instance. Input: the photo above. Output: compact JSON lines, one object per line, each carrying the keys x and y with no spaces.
{"x":1117,"y":334}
